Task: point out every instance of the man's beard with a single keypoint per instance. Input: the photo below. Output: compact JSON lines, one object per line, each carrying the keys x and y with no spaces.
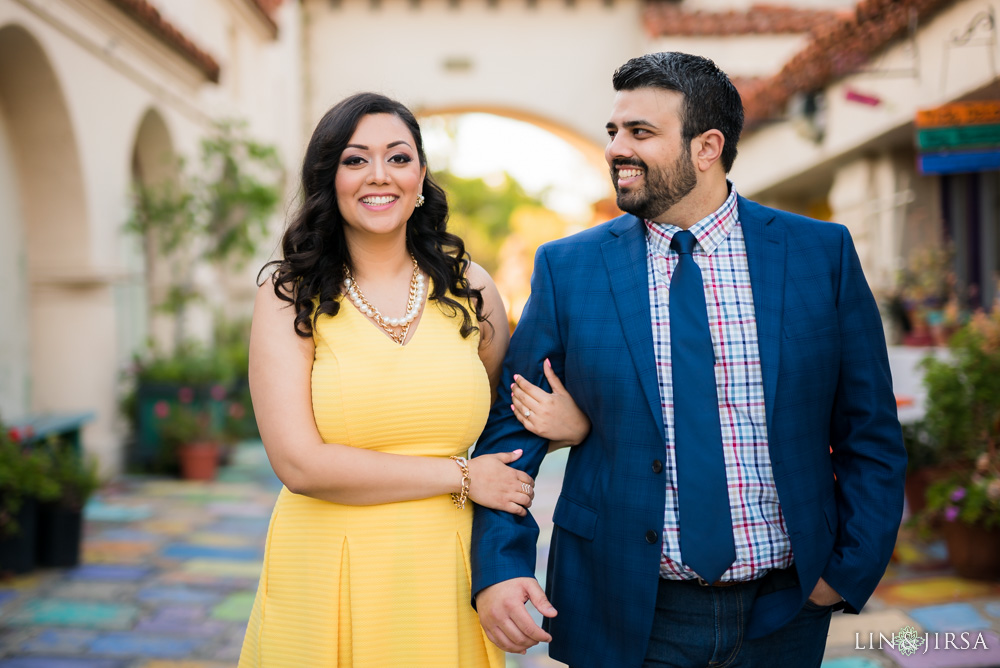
{"x":661,"y":188}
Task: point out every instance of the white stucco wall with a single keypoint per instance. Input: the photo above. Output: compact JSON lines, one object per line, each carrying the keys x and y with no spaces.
{"x":726,"y":5}
{"x":553,"y":60}
{"x":866,"y":157}
{"x":68,"y":353}
{"x":14,"y":346}
{"x":738,"y":55}
{"x":776,"y":155}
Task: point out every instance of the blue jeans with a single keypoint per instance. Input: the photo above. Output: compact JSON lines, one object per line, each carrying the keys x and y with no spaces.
{"x":699,"y":627}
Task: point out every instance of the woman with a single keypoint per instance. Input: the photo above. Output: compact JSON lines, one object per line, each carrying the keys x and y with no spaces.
{"x":367,"y":398}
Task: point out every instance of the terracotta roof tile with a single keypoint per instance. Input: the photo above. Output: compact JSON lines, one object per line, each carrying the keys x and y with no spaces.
{"x":837,"y":48}
{"x":269,"y":6}
{"x":266,"y":9}
{"x":747,"y":85}
{"x":149,"y":17}
{"x":667,"y":19}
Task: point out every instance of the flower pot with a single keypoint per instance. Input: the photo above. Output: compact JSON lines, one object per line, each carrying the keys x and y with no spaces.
{"x":199,"y":461}
{"x":915,"y":489}
{"x":973,"y":550}
{"x":148,"y":453}
{"x":919,"y":480}
{"x":17,"y":551}
{"x":60,"y":531}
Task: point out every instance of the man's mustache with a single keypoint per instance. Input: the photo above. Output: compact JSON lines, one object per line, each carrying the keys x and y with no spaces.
{"x":632,"y":162}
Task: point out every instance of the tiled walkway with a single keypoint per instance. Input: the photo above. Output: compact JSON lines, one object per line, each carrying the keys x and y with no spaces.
{"x":170,"y":570}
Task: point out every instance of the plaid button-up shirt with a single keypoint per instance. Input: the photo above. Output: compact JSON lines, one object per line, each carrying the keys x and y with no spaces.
{"x":758,"y":525}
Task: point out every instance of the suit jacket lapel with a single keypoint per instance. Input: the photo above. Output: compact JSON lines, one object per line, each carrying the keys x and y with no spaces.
{"x":625,"y":258}
{"x":765,"y":245}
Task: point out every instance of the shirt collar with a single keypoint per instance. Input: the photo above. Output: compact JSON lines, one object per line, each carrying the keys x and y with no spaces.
{"x":710,"y":231}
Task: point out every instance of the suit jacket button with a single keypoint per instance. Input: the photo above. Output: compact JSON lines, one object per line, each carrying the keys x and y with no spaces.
{"x":650,"y":537}
{"x":657,"y":466}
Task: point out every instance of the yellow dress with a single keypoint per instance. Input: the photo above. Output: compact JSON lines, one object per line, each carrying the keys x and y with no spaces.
{"x":387,"y":585}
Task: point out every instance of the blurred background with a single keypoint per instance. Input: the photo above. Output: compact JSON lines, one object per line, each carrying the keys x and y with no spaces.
{"x":149,"y":156}
{"x":149,"y":150}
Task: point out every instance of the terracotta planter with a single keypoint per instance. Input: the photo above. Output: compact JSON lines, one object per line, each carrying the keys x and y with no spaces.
{"x":973,"y":550}
{"x":915,"y":489}
{"x":919,"y":480}
{"x":199,"y":461}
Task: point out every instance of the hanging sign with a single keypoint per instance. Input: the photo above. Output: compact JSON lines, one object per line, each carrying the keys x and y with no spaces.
{"x":960,"y":137}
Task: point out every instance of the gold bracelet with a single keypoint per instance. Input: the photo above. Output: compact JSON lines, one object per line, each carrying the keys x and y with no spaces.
{"x":459,"y":499}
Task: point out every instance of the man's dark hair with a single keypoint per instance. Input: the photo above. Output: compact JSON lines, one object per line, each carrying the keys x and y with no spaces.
{"x":711,"y":101}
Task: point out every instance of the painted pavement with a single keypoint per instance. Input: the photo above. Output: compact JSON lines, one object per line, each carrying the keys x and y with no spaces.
{"x":170,"y":569}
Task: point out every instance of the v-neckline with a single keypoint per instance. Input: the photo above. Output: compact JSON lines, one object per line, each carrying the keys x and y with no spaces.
{"x":414,"y":326}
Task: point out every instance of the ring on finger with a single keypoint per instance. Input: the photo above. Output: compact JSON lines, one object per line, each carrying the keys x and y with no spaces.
{"x":526,"y":488}
{"x":527,"y":412}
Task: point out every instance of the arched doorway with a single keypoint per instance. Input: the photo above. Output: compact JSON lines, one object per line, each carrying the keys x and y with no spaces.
{"x":44,"y":237}
{"x":592,"y":152}
{"x":515,"y":180}
{"x":153,"y":164}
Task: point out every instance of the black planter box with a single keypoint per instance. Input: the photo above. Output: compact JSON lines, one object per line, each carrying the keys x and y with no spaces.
{"x":17,"y":552}
{"x":60,"y":531}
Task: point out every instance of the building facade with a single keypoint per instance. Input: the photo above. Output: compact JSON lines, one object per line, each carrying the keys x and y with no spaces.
{"x":98,"y":95}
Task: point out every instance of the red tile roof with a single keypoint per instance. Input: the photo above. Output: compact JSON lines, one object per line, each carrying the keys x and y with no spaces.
{"x":667,"y":19}
{"x":837,"y":48}
{"x":149,"y":17}
{"x":745,"y":85}
{"x":269,"y":6}
{"x":266,"y":9}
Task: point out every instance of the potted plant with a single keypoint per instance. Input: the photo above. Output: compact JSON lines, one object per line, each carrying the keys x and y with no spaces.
{"x":60,"y":520}
{"x":925,"y":303}
{"x":215,"y":213}
{"x":969,"y":503}
{"x":192,"y":374}
{"x":189,"y":437}
{"x":963,"y":420}
{"x":23,"y":483}
{"x":925,"y":464}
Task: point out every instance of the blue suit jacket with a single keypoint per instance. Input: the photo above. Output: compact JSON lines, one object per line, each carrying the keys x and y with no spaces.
{"x":826,"y":383}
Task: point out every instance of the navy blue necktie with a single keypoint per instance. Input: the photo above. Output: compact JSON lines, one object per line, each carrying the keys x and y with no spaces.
{"x":706,"y":525}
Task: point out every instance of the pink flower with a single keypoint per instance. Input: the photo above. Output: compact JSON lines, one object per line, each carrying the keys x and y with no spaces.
{"x":236,"y":411}
{"x":185,"y":395}
{"x":951,"y":513}
{"x":958,"y":494}
{"x":218,"y":392}
{"x":161,"y":409}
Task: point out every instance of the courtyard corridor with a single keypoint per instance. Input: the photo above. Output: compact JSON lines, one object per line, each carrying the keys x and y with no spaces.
{"x":170,"y":569}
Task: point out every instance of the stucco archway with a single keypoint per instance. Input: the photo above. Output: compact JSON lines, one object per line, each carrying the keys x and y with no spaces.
{"x":588,"y":148}
{"x":45,"y":221}
{"x":154,"y":162}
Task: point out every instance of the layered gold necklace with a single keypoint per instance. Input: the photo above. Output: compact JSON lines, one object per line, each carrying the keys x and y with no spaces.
{"x":396,"y":328}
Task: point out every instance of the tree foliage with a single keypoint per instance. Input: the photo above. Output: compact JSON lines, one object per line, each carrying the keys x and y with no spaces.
{"x":481,"y":213}
{"x":215,"y":213}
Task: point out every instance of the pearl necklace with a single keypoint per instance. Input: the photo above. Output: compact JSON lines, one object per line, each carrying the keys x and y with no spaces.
{"x":390,"y":325}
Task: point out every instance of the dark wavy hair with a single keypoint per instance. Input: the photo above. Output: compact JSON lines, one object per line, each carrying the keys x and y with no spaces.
{"x":711,"y":101}
{"x":314,"y":250}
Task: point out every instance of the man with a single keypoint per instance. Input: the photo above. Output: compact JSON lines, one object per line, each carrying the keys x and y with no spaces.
{"x":744,"y":472}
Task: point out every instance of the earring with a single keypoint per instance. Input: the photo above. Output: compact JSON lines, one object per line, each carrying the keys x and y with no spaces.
{"x":420,"y":200}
